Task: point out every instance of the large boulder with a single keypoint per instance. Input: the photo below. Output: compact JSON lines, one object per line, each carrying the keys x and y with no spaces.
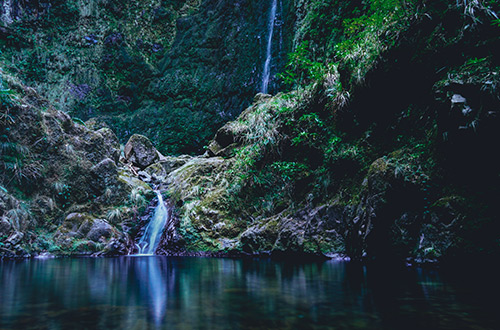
{"x":100,"y":230}
{"x":140,"y":151}
{"x":223,"y":144}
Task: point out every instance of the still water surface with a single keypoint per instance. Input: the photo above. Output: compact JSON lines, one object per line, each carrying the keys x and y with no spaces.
{"x":204,"y":293}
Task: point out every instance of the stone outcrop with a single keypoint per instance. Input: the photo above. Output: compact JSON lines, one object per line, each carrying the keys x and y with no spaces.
{"x":140,"y":152}
{"x":84,"y":234}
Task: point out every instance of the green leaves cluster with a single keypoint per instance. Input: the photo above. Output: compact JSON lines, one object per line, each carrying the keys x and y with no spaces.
{"x":290,"y":171}
{"x":301,"y":70}
{"x":308,"y":130}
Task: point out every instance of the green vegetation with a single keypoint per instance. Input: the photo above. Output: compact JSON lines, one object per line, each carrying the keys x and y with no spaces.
{"x":359,"y":134}
{"x":161,"y":68}
{"x":383,"y":133}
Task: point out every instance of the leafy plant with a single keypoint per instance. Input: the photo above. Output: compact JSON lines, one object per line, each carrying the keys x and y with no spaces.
{"x":301,"y":70}
{"x":290,"y":171}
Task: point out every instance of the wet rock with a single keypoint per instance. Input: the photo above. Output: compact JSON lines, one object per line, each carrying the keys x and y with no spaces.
{"x":81,"y":225}
{"x":290,"y":236}
{"x":132,"y":182}
{"x":140,"y":151}
{"x":84,"y":247}
{"x":144,"y":176}
{"x":315,"y":230}
{"x":167,"y":164}
{"x":215,"y":150}
{"x":259,"y":237}
{"x":224,"y":137}
{"x":222,"y":144}
{"x":117,"y":246}
{"x":229,"y":244}
{"x":72,"y":224}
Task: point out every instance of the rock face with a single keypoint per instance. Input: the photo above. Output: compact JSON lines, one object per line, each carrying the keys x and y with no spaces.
{"x":167,"y":58}
{"x":140,"y":151}
{"x":111,"y":143}
{"x":310,"y":230}
{"x":85,"y":234}
{"x":54,"y":173}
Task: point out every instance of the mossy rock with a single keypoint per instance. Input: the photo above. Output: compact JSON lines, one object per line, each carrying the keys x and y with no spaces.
{"x":166,"y":165}
{"x":105,"y":174}
{"x":140,"y":151}
{"x":133,"y":182}
{"x":111,"y":143}
{"x":81,"y":226}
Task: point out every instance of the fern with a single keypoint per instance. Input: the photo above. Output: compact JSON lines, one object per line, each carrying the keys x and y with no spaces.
{"x":115,"y":216}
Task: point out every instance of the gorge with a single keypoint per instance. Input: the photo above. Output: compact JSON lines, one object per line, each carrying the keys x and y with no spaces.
{"x":293,"y":130}
{"x":310,"y":170}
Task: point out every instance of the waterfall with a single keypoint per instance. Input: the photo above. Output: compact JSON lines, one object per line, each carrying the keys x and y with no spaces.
{"x":152,"y":235}
{"x":266,"y":74}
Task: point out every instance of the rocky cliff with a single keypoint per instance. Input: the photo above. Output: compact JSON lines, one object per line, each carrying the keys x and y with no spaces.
{"x":170,"y":70}
{"x":384,"y":148}
{"x":381,"y":144}
{"x":63,"y":189}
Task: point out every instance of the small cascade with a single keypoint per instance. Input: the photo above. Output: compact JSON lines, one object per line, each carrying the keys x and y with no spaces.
{"x":152,"y":234}
{"x":266,"y":74}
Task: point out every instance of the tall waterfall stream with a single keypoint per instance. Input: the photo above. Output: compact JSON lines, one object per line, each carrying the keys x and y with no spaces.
{"x":266,"y":74}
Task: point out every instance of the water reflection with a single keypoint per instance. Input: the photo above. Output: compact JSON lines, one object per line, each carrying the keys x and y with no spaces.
{"x":154,"y":284}
{"x":186,"y":293}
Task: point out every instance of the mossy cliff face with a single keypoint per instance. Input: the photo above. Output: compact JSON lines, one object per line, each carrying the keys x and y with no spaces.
{"x":382,"y":145}
{"x":63,"y":189}
{"x":383,"y":148}
{"x":170,"y":70}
